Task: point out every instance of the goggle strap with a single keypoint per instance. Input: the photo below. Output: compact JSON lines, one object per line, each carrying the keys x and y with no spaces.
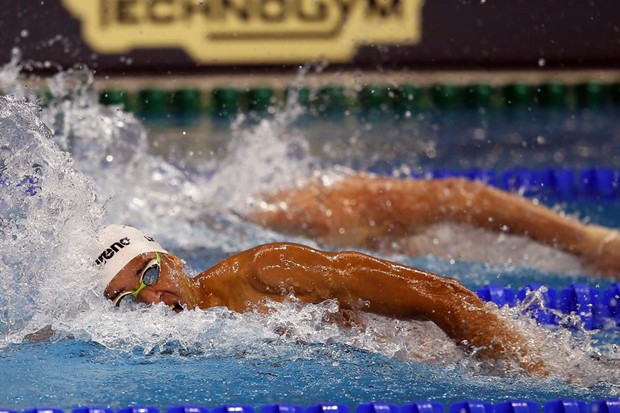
{"x":135,"y":293}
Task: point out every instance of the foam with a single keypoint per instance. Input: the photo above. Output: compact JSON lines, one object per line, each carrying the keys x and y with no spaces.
{"x":46,"y":269}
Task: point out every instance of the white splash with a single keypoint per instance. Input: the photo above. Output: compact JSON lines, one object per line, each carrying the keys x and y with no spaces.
{"x":48,"y":220}
{"x":46,"y":237}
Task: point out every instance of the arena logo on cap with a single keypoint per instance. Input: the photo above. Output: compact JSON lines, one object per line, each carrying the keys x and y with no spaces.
{"x":109,"y":252}
{"x":249,"y":31}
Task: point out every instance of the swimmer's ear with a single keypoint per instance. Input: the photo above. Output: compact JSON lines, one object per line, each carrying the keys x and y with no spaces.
{"x":43,"y":334}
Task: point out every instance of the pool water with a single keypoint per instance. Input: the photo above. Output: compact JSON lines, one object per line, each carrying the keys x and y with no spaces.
{"x":75,"y":165}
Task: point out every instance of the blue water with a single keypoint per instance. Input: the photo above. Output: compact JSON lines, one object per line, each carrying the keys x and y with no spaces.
{"x":73,"y":373}
{"x":100,"y":356}
{"x":69,"y":372}
{"x":532,"y":137}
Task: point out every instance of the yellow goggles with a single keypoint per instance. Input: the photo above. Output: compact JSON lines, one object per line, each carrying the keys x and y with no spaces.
{"x":149,"y":276}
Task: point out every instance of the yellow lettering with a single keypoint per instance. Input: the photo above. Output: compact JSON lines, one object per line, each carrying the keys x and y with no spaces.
{"x":346,"y":6}
{"x":248,"y":31}
{"x":241,"y":11}
{"x":104,"y":12}
{"x":319,"y":13}
{"x":125,"y":12}
{"x":384,"y":8}
{"x":160,"y":11}
{"x":211,"y":9}
{"x":273,"y":10}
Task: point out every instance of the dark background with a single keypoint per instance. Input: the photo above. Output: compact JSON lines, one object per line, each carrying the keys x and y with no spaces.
{"x":494,"y":34}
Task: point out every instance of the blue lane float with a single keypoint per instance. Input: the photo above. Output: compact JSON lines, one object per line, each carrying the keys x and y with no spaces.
{"x":92,"y":409}
{"x":562,"y":183}
{"x":183,"y":409}
{"x":422,"y":407}
{"x":377,"y":408}
{"x":566,"y":184}
{"x":566,"y":406}
{"x":471,"y":406}
{"x":517,"y":406}
{"x":281,"y":408}
{"x":595,"y":308}
{"x":466,"y":406}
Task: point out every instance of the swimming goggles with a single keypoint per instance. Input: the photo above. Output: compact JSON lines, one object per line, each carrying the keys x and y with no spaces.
{"x":149,"y":276}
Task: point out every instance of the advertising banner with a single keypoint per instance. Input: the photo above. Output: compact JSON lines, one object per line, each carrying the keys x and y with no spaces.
{"x":194,"y":35}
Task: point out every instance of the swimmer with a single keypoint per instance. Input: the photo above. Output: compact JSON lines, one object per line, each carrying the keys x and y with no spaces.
{"x":376,"y":213}
{"x":134,"y":267}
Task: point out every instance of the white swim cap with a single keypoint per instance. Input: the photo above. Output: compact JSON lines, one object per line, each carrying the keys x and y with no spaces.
{"x":119,"y":244}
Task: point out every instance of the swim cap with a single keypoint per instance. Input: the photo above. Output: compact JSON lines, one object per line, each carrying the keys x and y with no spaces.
{"x":119,"y":244}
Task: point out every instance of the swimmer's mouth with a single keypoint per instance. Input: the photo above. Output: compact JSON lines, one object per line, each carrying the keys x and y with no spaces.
{"x":176,"y":306}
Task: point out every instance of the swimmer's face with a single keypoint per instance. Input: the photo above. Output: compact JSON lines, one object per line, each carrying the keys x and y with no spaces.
{"x":173,"y":287}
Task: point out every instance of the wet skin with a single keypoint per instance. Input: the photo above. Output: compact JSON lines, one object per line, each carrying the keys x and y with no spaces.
{"x":244,"y":281}
{"x":372,"y":212}
{"x":365,"y":211}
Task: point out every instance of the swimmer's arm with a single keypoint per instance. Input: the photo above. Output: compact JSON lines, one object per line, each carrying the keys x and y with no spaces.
{"x":362,"y":210}
{"x":363,"y":283}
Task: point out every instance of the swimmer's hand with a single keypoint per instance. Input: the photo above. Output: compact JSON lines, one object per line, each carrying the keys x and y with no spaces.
{"x":491,"y":337}
{"x":601,"y":251}
{"x":479,"y":328}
